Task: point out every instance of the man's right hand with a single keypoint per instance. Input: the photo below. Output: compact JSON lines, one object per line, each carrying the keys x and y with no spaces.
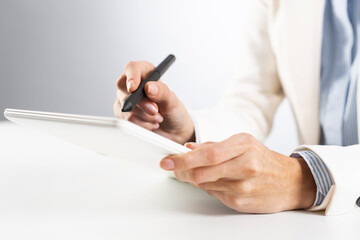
{"x":161,"y":112}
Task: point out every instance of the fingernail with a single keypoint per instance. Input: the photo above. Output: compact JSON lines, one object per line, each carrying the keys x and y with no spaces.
{"x":191,"y":145}
{"x":152,"y":89}
{"x":129,"y":84}
{"x":156,"y":126}
{"x":159,"y":118}
{"x":150,"y":109}
{"x":168,"y":164}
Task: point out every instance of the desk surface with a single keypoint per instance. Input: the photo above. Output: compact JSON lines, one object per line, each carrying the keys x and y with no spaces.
{"x":51,"y":189}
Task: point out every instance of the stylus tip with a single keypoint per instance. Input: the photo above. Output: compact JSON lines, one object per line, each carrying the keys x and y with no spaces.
{"x":126,"y":107}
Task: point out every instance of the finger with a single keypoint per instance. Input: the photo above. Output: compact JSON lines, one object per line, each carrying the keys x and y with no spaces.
{"x":146,"y":117}
{"x":230,"y":170}
{"x":202,"y":174}
{"x":133,"y":76}
{"x":240,"y":187}
{"x":191,"y":145}
{"x":205,"y":155}
{"x":159,"y":92}
{"x":222,"y":185}
{"x":239,"y":168}
{"x":148,"y":106}
{"x":121,"y":83}
{"x":145,"y":104}
{"x":147,"y":125}
{"x":120,"y":96}
{"x":135,"y":72}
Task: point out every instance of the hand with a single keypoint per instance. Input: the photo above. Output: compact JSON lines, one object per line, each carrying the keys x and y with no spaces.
{"x":245,"y":175}
{"x":161,"y":112}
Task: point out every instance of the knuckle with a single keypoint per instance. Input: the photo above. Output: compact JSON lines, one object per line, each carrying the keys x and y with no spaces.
{"x":243,"y":187}
{"x":253,"y":168}
{"x":142,"y":104}
{"x":164,"y":93}
{"x":196,"y":175}
{"x":150,"y":64}
{"x":130,"y":65}
{"x":212,"y":154}
{"x":240,"y":205}
{"x":166,"y":89}
{"x":138,"y":114}
{"x":186,"y":161}
{"x":132,"y":118}
{"x":146,"y":64}
{"x":238,"y":136}
{"x":238,"y":202}
{"x":179,"y":176}
{"x":118,"y":82}
{"x":167,"y":97}
{"x":235,"y":202}
{"x":244,"y":138}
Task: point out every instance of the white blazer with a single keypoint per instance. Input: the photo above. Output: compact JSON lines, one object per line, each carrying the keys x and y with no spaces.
{"x":281,"y":54}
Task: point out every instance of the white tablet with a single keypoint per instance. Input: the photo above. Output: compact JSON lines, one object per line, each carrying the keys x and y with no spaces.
{"x":109,"y":136}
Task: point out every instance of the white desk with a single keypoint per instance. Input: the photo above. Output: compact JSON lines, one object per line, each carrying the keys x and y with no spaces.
{"x":50,"y":189}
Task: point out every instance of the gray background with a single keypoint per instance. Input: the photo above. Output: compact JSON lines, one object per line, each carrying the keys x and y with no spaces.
{"x":66,"y":55}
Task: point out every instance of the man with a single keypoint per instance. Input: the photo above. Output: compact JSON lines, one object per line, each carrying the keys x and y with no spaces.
{"x":305,"y":50}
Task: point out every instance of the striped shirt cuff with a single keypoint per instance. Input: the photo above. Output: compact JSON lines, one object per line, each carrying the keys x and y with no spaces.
{"x":321,"y":173}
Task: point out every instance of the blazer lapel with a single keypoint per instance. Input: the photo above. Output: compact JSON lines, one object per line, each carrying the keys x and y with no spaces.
{"x":297,"y":37}
{"x":358,"y":105}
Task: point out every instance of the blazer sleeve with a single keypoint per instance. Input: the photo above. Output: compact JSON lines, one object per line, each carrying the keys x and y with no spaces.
{"x":252,"y":98}
{"x":344,"y":165}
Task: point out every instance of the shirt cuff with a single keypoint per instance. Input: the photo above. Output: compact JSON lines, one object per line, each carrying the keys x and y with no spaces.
{"x":320,"y":172}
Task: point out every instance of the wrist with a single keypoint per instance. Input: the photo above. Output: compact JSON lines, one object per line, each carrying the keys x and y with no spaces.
{"x":305,"y":193}
{"x":191,"y":135}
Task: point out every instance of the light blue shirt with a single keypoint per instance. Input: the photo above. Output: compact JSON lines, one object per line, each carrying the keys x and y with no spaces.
{"x":339,"y":74}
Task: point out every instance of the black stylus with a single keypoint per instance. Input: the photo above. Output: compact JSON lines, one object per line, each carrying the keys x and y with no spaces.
{"x":135,"y":97}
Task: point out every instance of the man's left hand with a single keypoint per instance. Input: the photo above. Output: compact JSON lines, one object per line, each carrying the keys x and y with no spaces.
{"x":245,"y":175}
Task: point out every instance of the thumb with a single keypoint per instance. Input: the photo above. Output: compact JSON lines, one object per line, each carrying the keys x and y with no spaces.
{"x":160,"y":93}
